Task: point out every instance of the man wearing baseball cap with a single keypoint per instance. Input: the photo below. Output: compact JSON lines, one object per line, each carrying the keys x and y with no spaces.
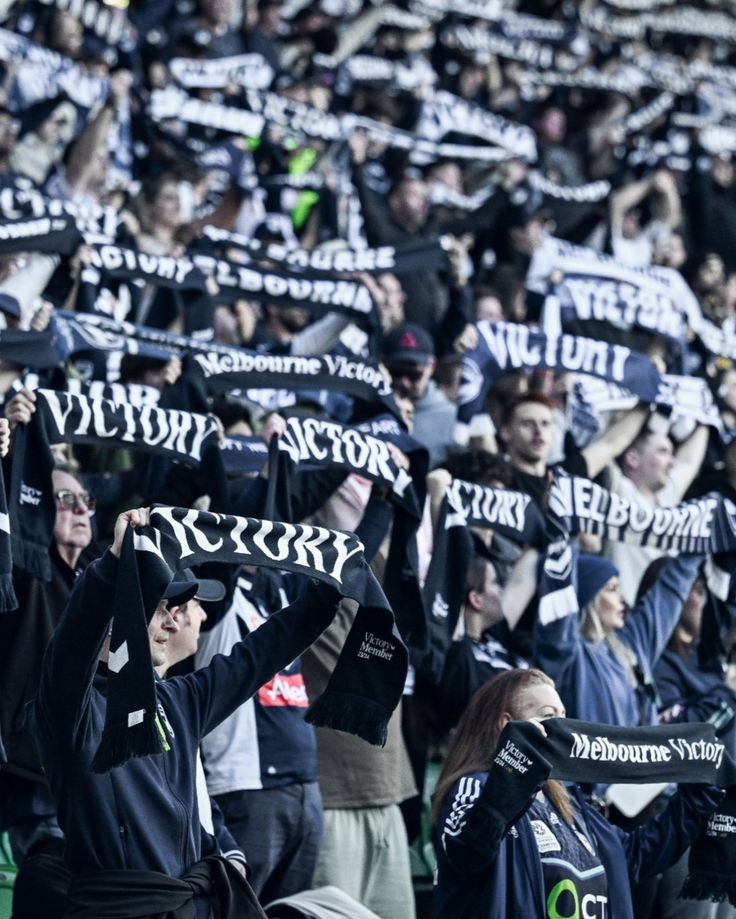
{"x":409,"y":356}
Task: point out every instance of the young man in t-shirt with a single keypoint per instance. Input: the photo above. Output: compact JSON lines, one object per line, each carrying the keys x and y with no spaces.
{"x":528,"y":432}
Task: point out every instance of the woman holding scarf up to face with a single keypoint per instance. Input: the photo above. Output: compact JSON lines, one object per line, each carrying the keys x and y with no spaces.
{"x":510,"y":841}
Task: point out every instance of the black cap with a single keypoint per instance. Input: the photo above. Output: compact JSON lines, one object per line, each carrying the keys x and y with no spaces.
{"x":408,"y":343}
{"x":180,"y":591}
{"x":186,"y":586}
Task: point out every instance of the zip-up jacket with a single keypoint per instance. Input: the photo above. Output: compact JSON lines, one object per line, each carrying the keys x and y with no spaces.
{"x":143,"y":815}
{"x":489,"y":871}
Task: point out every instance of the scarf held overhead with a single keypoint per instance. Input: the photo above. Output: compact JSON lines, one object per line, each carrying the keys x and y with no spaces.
{"x":368,"y":679}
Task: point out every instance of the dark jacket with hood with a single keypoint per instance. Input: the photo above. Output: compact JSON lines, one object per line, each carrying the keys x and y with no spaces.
{"x":143,"y":815}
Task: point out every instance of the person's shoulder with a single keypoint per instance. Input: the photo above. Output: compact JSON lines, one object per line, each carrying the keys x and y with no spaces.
{"x":464,"y":792}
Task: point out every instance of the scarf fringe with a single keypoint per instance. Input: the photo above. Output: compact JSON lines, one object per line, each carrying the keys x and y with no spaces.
{"x":8,"y":599}
{"x":709,"y":885}
{"x":353,"y":714}
{"x":31,"y":558}
{"x":120,"y":743}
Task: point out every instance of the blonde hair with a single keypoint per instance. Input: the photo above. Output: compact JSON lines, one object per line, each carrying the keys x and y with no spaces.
{"x":593,"y":632}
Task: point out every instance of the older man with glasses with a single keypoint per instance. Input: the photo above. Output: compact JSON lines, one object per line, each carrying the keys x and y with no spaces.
{"x":26,"y":809}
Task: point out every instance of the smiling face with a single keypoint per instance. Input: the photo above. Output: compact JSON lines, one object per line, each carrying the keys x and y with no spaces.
{"x":649,"y":463}
{"x":183,"y":642}
{"x":160,"y":629}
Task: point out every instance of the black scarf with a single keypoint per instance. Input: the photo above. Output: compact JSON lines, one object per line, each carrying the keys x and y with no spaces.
{"x":51,"y":74}
{"x":243,"y":454}
{"x":17,"y":205}
{"x":70,"y":418}
{"x":712,"y":863}
{"x":108,"y":894}
{"x":29,"y":349}
{"x":505,"y":346}
{"x":588,"y":193}
{"x":621,"y":304}
{"x":223,"y":370}
{"x":369,"y":677}
{"x":661,"y":288}
{"x":579,"y":751}
{"x":218,"y":368}
{"x":324,"y":443}
{"x":163,"y":270}
{"x":41,"y":234}
{"x":593,"y":753}
{"x":577,"y":505}
{"x":378,"y":71}
{"x":510,"y":513}
{"x":682,"y":396}
{"x":478,"y":39}
{"x":402,"y":259}
{"x":319,"y":295}
{"x":444,"y":113}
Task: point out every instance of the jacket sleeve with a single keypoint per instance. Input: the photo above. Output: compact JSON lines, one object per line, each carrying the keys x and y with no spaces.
{"x":649,"y":627}
{"x":470,"y":830}
{"x":215,"y":691}
{"x":558,"y":645}
{"x":226,"y":843}
{"x":659,"y":843}
{"x":73,"y":652}
{"x":379,"y":229}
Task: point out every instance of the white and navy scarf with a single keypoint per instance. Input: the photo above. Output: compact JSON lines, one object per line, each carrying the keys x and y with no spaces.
{"x":408,"y":257}
{"x":510,"y":346}
{"x":74,"y":418}
{"x":247,"y":70}
{"x":319,"y":442}
{"x":368,"y":679}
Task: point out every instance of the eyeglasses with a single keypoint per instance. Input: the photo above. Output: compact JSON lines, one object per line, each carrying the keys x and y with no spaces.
{"x":71,"y":500}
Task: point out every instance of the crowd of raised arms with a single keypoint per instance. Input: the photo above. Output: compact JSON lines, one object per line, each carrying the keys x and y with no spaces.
{"x":368,"y":430}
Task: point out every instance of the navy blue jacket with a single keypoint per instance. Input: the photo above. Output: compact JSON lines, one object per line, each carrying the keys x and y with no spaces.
{"x":689,"y":693}
{"x":143,"y":815}
{"x":499,"y":877}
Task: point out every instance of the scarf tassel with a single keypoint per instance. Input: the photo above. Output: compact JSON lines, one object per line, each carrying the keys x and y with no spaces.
{"x":8,"y":600}
{"x":353,"y":714}
{"x":709,"y":885}
{"x":120,"y":743}
{"x":31,"y":558}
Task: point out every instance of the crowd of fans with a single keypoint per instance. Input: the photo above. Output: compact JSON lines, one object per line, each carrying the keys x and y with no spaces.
{"x":418,"y":188}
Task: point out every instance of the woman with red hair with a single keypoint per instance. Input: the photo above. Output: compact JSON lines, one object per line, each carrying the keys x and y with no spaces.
{"x":510,"y":841}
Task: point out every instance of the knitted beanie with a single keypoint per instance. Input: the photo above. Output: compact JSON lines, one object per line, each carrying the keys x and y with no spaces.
{"x":594,"y":572}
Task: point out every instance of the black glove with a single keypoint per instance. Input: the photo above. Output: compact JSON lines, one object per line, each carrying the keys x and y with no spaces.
{"x":518,"y":771}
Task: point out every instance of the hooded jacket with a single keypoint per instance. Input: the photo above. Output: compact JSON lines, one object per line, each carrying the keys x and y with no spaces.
{"x":143,"y":815}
